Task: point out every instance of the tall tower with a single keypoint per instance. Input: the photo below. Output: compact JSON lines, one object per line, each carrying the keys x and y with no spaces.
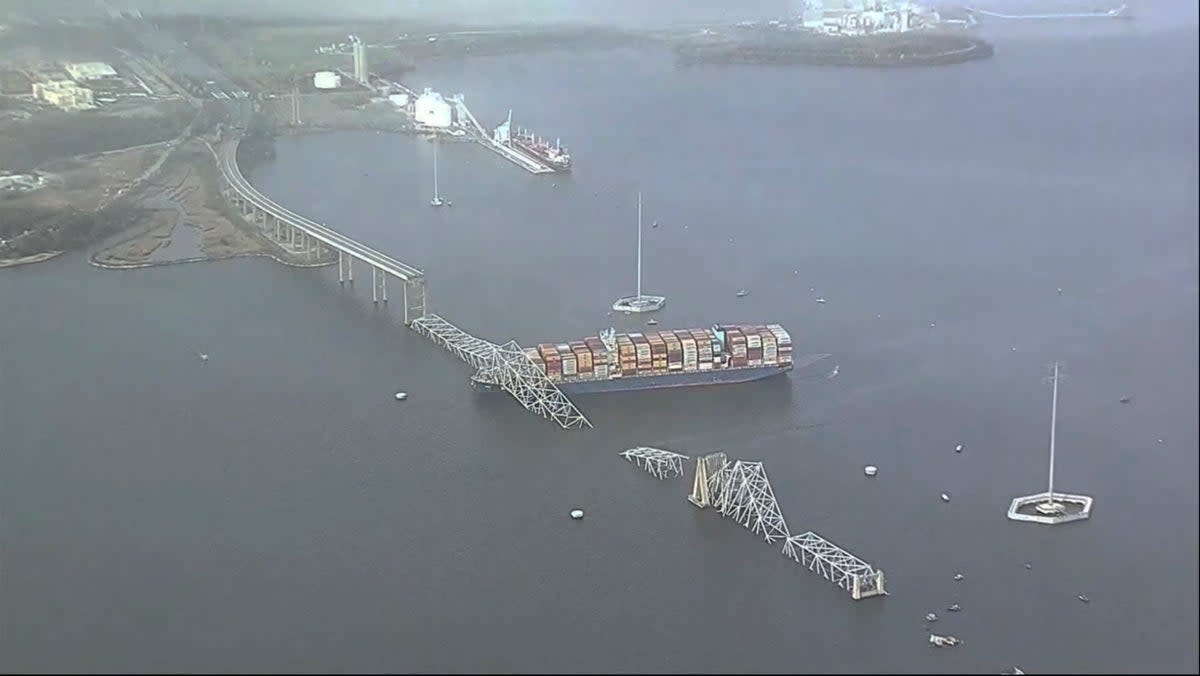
{"x":360,"y":59}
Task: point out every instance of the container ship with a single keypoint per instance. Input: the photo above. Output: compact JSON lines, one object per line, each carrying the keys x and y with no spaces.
{"x":620,"y":362}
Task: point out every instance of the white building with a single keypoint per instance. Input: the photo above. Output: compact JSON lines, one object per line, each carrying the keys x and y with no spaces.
{"x":92,"y":70}
{"x":327,"y":80}
{"x":432,"y":110}
{"x":64,"y":94}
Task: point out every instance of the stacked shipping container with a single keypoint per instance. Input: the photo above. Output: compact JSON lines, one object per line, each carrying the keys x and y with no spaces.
{"x":658,"y":353}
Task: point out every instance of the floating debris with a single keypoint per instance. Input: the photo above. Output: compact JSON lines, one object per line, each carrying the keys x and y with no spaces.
{"x":930,"y":617}
{"x":958,"y":577}
{"x":651,"y":322}
{"x":834,"y":372}
{"x":1084,"y":598}
{"x":742,"y":293}
{"x":942,"y":641}
{"x":945,"y":498}
{"x":1028,"y":566}
{"x":958,"y":448}
{"x":576,"y":514}
{"x":870,"y":470}
{"x":1161,"y":441}
{"x":932,"y":324}
{"x":954,"y":608}
{"x":401,"y":396}
{"x":203,"y":357}
{"x":1125,"y":400}
{"x":821,"y":301}
{"x":1060,"y":292}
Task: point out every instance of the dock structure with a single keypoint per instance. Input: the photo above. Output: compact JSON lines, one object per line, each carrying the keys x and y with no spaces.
{"x":507,"y":367}
{"x":661,"y":464}
{"x":481,"y":135}
{"x":741,"y":491}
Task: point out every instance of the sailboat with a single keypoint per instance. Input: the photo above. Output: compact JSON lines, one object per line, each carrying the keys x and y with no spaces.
{"x":436,"y":201}
{"x":639,"y":302}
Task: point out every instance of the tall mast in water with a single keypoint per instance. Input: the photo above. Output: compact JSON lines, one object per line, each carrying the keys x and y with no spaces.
{"x":435,"y":185}
{"x":1053,"y":426}
{"x":639,"y":255}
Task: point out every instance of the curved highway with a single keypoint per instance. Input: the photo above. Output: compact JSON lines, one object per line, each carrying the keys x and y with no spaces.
{"x":227,"y":161}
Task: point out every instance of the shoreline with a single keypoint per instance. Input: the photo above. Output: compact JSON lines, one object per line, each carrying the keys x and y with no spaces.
{"x":31,"y":259}
{"x":200,"y":259}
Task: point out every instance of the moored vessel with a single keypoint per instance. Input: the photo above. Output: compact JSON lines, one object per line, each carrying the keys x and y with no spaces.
{"x":622,"y":362}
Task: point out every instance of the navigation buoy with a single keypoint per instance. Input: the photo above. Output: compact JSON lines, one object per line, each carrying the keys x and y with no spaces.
{"x":401,"y":396}
{"x":870,"y":470}
{"x":577,"y":514}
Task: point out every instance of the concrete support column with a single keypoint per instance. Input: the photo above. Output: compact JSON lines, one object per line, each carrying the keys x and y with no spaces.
{"x":349,"y":268}
{"x":383,"y":285}
{"x":278,"y":231}
{"x":341,"y":269}
{"x":374,"y":284}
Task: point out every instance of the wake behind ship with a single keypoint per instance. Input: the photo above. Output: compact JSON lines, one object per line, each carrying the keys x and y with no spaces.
{"x":612,"y":362}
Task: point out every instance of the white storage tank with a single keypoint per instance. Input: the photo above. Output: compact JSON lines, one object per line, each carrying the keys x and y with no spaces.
{"x":327,"y":80}
{"x":432,"y":110}
{"x":399,"y":100}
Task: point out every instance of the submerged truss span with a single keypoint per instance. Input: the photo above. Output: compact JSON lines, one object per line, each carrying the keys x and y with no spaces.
{"x":659,"y":463}
{"x":507,"y":367}
{"x":741,"y":491}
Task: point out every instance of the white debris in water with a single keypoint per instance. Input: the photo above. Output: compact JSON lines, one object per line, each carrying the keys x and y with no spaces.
{"x":870,"y":470}
{"x":958,"y":448}
{"x":930,"y":617}
{"x":401,"y":396}
{"x":945,"y":498}
{"x":958,"y":577}
{"x":576,"y":513}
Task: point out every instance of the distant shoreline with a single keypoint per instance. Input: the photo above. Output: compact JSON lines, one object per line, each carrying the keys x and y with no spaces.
{"x":30,"y":259}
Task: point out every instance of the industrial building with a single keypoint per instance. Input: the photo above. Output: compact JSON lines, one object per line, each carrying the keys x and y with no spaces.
{"x":327,"y":80}
{"x":431,"y":110}
{"x":92,"y":70}
{"x":862,"y":17}
{"x":64,"y":94}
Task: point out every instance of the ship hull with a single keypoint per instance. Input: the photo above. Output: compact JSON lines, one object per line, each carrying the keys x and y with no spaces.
{"x":558,"y":167}
{"x":657,"y":382}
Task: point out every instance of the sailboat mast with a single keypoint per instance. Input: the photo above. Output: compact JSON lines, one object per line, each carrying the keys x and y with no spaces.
{"x":639,"y":255}
{"x":1053,"y":425}
{"x":435,"y":154}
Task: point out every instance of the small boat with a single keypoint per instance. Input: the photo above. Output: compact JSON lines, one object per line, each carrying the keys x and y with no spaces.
{"x":401,"y":396}
{"x":945,"y":498}
{"x":958,"y":448}
{"x":742,"y":293}
{"x":941,"y":641}
{"x":958,"y":577}
{"x":930,"y":617}
{"x":954,"y":608}
{"x":654,"y":224}
{"x":870,"y":470}
{"x":821,"y":301}
{"x":651,"y":322}
{"x":577,"y":514}
{"x":203,"y":357}
{"x":1125,"y":400}
{"x":1084,"y":598}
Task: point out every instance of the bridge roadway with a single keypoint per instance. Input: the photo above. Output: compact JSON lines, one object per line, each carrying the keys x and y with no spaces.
{"x":505,"y":366}
{"x":265,"y":211}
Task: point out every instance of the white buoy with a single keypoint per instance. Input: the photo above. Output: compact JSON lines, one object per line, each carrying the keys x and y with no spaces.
{"x":401,"y":396}
{"x":576,"y":513}
{"x":945,"y":498}
{"x":870,"y":470}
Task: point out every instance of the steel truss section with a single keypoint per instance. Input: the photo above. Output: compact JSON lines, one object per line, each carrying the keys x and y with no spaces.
{"x":659,"y":463}
{"x":477,"y":352}
{"x":741,"y":491}
{"x":516,"y":374}
{"x":506,"y":366}
{"x":835,"y":564}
